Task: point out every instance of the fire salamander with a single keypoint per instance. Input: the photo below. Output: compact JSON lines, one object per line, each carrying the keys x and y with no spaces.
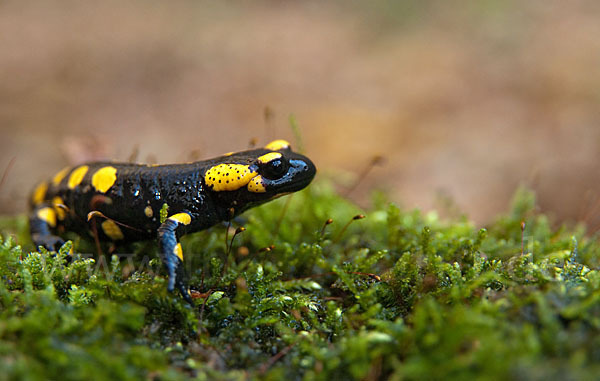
{"x":121,"y":202}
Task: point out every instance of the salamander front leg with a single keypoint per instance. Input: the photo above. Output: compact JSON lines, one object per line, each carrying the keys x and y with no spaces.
{"x":41,"y":221}
{"x":171,"y":253}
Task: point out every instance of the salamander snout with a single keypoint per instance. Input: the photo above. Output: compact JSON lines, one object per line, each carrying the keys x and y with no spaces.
{"x":303,"y":171}
{"x":286,"y":173}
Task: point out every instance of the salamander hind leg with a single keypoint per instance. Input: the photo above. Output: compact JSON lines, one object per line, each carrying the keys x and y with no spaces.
{"x":42,"y":221}
{"x":171,"y":253}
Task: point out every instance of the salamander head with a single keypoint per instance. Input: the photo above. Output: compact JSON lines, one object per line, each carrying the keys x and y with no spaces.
{"x":249,"y":178}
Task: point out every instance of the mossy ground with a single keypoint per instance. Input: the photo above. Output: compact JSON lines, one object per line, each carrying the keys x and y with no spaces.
{"x":397,"y":295}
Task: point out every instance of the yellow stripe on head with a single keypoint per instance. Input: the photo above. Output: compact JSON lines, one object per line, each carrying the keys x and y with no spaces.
{"x":104,"y":178}
{"x":182,"y":218}
{"x":256,"y":185}
{"x":60,"y":175}
{"x":39,"y":193}
{"x":228,"y":177}
{"x":47,"y":215}
{"x":278,"y":144}
{"x":268,"y":157}
{"x":77,"y":176}
{"x":112,"y":230}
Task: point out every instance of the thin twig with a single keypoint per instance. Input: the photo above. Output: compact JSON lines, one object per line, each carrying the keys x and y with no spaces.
{"x":269,"y":363}
{"x":328,"y":222}
{"x":7,"y":170}
{"x":375,"y":160}
{"x":281,"y":216}
{"x":522,"y":237}
{"x":357,"y":217}
{"x":202,"y":308}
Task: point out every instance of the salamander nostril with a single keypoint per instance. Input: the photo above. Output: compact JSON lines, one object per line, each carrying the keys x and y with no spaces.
{"x":301,"y":165}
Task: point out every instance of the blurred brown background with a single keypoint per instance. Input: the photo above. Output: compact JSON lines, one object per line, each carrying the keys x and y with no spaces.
{"x":465,"y":101}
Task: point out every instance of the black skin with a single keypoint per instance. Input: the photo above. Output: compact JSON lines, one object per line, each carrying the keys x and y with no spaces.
{"x":180,"y":186}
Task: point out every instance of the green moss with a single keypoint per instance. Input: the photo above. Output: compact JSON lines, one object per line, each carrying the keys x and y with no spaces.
{"x":164,"y":213}
{"x":397,"y":295}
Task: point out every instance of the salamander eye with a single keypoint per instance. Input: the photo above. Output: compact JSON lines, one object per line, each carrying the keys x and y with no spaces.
{"x":274,"y":169}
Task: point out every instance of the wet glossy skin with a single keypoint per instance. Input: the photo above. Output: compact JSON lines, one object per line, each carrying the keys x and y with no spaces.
{"x":122,"y":201}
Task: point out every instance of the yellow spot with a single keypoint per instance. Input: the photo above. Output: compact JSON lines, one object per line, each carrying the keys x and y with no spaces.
{"x":112,"y":230}
{"x":178,"y":252}
{"x":39,"y":193}
{"x":229,"y":154}
{"x":228,"y":177}
{"x":148,"y":211}
{"x":182,"y":218}
{"x":268,"y":157}
{"x":104,"y":178}
{"x":59,"y":207}
{"x":47,"y":215}
{"x":276,"y":145}
{"x":77,"y":176}
{"x":60,"y":176}
{"x":256,"y":185}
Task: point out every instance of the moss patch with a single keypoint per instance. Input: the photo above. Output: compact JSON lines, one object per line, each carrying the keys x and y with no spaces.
{"x":397,"y":294}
